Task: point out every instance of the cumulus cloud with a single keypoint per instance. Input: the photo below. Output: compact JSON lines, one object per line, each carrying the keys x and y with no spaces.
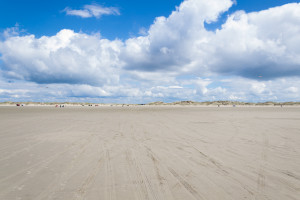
{"x":263,"y":44}
{"x":171,"y":43}
{"x":176,"y":58}
{"x":92,"y":11}
{"x":13,"y":31}
{"x":67,"y":57}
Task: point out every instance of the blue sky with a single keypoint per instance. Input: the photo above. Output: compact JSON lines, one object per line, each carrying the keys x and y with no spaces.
{"x":141,"y":51}
{"x":47,"y":17}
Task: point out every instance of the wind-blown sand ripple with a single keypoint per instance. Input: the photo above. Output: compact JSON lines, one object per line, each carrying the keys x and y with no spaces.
{"x":149,"y":152}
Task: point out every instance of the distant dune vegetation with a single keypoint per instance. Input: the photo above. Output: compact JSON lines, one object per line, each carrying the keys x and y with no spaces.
{"x":158,"y":103}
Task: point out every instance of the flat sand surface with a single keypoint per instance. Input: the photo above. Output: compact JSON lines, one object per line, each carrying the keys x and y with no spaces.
{"x":146,"y":152}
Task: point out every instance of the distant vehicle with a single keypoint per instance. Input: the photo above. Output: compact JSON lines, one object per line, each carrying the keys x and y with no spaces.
{"x":17,"y":104}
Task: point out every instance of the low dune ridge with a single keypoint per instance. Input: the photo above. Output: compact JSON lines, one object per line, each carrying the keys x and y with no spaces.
{"x":157,"y":103}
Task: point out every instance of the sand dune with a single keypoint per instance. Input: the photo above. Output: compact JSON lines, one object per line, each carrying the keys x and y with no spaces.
{"x":149,"y":152}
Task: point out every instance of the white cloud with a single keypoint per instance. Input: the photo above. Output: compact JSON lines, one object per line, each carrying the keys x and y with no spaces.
{"x":171,"y":43}
{"x":67,"y":57}
{"x":292,"y":89}
{"x":98,"y":11}
{"x":92,"y":11}
{"x":80,"y":13}
{"x":263,"y":44}
{"x":175,"y":87}
{"x":13,"y":31}
{"x":201,"y":85}
{"x":89,"y":91}
{"x":143,"y":31}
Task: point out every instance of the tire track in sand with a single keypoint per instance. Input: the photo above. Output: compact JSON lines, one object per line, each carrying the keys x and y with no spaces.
{"x":261,"y":178}
{"x":144,"y":186}
{"x":109,"y":178}
{"x":89,"y":180}
{"x":43,"y":164}
{"x":144,"y":177}
{"x":180,"y":179}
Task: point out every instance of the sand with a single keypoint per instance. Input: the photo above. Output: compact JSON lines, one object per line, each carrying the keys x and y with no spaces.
{"x":148,"y":152}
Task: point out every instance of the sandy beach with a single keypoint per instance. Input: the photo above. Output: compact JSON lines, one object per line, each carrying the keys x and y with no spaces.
{"x":149,"y":152}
